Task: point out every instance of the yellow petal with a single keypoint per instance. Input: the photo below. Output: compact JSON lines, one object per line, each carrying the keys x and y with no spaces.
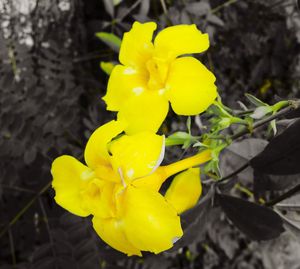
{"x":111,"y":232}
{"x":153,"y":181}
{"x":136,"y":47}
{"x":97,"y":198}
{"x":137,"y":155}
{"x":185,"y":190}
{"x":150,"y":223}
{"x":69,"y":178}
{"x":180,"y":39}
{"x":96,"y":153}
{"x":144,"y":112}
{"x":123,"y":83}
{"x":156,"y":179}
{"x":191,"y":88}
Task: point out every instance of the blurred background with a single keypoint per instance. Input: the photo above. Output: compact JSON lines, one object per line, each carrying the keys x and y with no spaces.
{"x":51,"y":86}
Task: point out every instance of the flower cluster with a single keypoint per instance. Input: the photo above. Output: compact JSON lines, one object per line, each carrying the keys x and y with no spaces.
{"x":119,"y":185}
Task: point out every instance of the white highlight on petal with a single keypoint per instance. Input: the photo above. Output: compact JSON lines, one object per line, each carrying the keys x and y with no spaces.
{"x":175,"y":239}
{"x":130,"y":173}
{"x":129,"y":71}
{"x":161,"y":91}
{"x":86,"y":175}
{"x":161,"y":156}
{"x":138,"y":90}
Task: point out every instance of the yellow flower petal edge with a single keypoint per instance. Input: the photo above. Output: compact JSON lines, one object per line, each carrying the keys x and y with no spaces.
{"x":69,"y":178}
{"x":177,"y":40}
{"x":185,"y":190}
{"x":111,"y":231}
{"x":124,"y":83}
{"x":138,"y":155}
{"x":144,"y":112}
{"x":96,"y":153}
{"x":151,"y":75}
{"x":150,"y":222}
{"x":136,"y":46}
{"x":190,"y":86}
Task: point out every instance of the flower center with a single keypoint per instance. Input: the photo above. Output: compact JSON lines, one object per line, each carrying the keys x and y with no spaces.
{"x":155,"y":81}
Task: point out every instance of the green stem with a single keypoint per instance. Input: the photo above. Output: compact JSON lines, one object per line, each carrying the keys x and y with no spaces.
{"x":291,"y":105}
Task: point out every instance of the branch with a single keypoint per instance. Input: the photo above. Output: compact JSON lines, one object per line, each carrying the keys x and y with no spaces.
{"x":284,"y":196}
{"x":292,"y":105}
{"x":242,"y":168}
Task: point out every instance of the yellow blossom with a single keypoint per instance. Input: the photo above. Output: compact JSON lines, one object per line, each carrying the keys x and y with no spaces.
{"x":119,"y":187}
{"x":151,"y":74}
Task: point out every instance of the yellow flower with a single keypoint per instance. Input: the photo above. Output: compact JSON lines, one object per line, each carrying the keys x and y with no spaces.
{"x":119,"y":187}
{"x":151,"y":74}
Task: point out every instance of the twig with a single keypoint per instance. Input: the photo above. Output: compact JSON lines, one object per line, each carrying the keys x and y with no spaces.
{"x":164,"y":7}
{"x":243,"y":167}
{"x":14,"y":188}
{"x":226,"y":4}
{"x":292,"y":105}
{"x":12,"y":248}
{"x":24,"y":209}
{"x":48,"y":230}
{"x":129,"y":10}
{"x":284,"y":196}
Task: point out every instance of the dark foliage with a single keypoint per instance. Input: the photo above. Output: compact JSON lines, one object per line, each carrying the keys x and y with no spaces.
{"x":281,"y":156}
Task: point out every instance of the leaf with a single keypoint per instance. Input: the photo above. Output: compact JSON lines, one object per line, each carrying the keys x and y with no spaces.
{"x":107,"y":67}
{"x":144,"y":7}
{"x":255,"y":101}
{"x":260,"y":112}
{"x":198,"y":8}
{"x":256,"y":221}
{"x":289,"y":210}
{"x":215,"y":20}
{"x":263,"y":182}
{"x":111,"y":40}
{"x":238,"y":153}
{"x":109,"y":7}
{"x":281,"y":156}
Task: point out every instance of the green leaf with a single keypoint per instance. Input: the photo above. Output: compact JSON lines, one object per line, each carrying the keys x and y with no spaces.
{"x":111,"y":40}
{"x":188,"y":124}
{"x":109,"y":7}
{"x":260,"y":112}
{"x":255,"y":101}
{"x":273,"y":126}
{"x":181,"y":138}
{"x":107,"y":67}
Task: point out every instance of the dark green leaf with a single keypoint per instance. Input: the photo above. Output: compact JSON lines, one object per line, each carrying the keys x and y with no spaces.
{"x":254,"y":100}
{"x":111,"y":40}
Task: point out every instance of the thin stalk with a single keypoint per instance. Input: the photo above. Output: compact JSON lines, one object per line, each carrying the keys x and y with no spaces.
{"x":284,"y":196}
{"x":24,"y":209}
{"x":291,"y":105}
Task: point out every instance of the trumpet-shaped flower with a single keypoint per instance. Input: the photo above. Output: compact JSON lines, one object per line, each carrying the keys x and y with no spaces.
{"x":151,"y":74}
{"x":119,"y":187}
